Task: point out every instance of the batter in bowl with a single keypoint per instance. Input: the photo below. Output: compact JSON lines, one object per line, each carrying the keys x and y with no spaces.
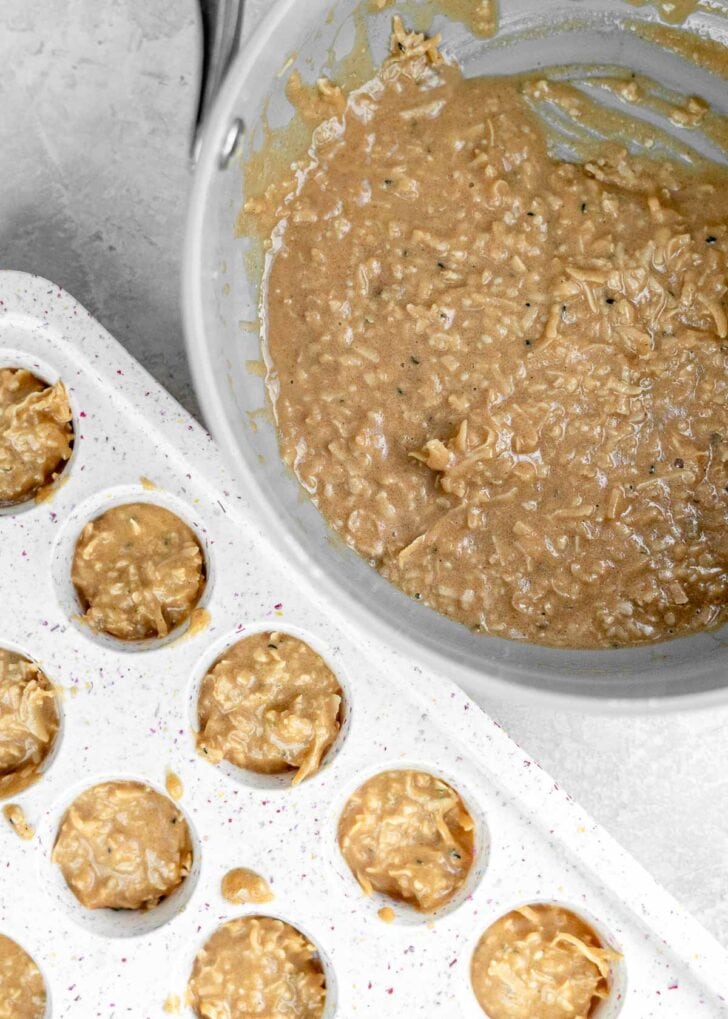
{"x":22,"y":988}
{"x":122,"y":845}
{"x":408,"y":835}
{"x":29,"y":722}
{"x":501,"y":377}
{"x":36,"y":434}
{"x":138,"y":571}
{"x":270,"y":704}
{"x":257,"y":966}
{"x":540,"y":962}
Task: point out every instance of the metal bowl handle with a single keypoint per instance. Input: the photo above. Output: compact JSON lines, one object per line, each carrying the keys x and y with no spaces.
{"x":222,"y":25}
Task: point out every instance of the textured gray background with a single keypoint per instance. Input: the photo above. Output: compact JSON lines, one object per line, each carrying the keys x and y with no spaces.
{"x":96,"y":104}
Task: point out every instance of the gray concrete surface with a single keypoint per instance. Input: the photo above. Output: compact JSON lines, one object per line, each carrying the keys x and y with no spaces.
{"x":96,"y":103}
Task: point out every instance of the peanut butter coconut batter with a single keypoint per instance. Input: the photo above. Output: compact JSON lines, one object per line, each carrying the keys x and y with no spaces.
{"x":28,"y":722}
{"x":138,"y":571}
{"x":408,"y":835}
{"x":36,"y":433}
{"x":15,"y":816}
{"x":122,"y":845}
{"x":540,"y":962}
{"x":269,"y":704}
{"x":257,"y":966}
{"x":241,"y":885}
{"x":22,"y":988}
{"x":502,"y":378}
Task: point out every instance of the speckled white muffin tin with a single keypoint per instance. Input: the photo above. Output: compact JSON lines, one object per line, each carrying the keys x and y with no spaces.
{"x":128,"y":712}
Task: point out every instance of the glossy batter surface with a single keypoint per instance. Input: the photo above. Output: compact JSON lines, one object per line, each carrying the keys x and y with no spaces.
{"x":408,"y":835}
{"x":138,"y":571}
{"x":36,"y":432}
{"x":257,"y":966}
{"x":540,"y":962}
{"x":15,"y":816}
{"x":22,"y":988}
{"x":502,"y":378}
{"x":269,"y":704}
{"x":122,"y":845}
{"x":29,"y":722}
{"x":241,"y":885}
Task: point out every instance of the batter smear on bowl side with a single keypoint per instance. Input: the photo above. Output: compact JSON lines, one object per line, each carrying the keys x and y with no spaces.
{"x":502,"y":377}
{"x":22,"y":988}
{"x":540,"y":962}
{"x":257,"y":966}
{"x":29,"y":722}
{"x":36,"y":434}
{"x":138,"y":571}
{"x":122,"y":845}
{"x":269,"y":704}
{"x":408,"y":835}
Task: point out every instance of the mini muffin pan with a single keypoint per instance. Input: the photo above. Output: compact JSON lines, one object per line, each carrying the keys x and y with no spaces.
{"x":129,"y":709}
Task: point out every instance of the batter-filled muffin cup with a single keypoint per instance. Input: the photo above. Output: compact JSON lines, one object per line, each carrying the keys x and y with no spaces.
{"x":270,"y":704}
{"x":541,"y":962}
{"x":22,"y":988}
{"x":139,"y":571}
{"x":36,"y":434}
{"x":29,"y":722}
{"x":408,"y":835}
{"x":257,"y":965}
{"x":122,"y":845}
